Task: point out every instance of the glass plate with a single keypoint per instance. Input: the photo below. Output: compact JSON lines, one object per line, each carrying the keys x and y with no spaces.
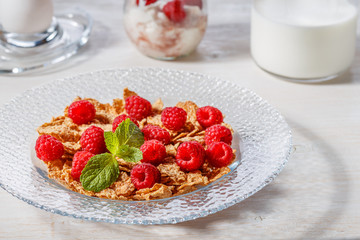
{"x":262,"y":135}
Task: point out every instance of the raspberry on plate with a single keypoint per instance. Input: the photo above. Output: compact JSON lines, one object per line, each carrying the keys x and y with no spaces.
{"x":154,"y":152}
{"x":190,"y":156}
{"x":156,"y":132}
{"x":48,"y":148}
{"x":218,"y":133}
{"x":208,"y":116}
{"x":79,"y":162}
{"x":175,"y":11}
{"x":173,"y":118}
{"x":81,"y":112}
{"x":144,"y":175}
{"x":93,"y":140}
{"x":137,"y":107}
{"x":219,"y":154}
{"x":119,"y":119}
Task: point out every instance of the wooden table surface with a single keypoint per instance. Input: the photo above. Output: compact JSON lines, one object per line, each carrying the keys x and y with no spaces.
{"x":316,"y":196}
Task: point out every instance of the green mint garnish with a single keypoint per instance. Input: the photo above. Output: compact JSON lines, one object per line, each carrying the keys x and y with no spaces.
{"x":130,"y":154}
{"x":102,"y":170}
{"x":126,"y":134}
{"x":129,"y":134}
{"x":112,"y":142}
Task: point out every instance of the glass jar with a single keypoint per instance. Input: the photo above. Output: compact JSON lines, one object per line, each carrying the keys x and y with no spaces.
{"x":165,"y":29}
{"x":304,"y":40}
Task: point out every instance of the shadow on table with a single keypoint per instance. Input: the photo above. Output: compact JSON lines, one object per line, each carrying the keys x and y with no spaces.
{"x":222,"y":42}
{"x":340,"y":192}
{"x":272,"y":192}
{"x":238,"y":212}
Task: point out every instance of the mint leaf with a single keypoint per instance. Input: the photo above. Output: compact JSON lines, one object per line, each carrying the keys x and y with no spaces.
{"x":100,"y":172}
{"x":129,"y":134}
{"x":130,"y":154}
{"x":123,"y":150}
{"x":112,"y":142}
{"x":103,"y":169}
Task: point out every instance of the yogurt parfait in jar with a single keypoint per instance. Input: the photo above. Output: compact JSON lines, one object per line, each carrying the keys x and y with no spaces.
{"x":165,"y":29}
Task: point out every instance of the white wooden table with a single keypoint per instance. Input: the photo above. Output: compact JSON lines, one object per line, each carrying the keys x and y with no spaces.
{"x":316,"y":196}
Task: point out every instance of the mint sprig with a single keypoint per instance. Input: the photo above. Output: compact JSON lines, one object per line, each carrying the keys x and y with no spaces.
{"x":102,"y":170}
{"x":129,"y":134}
{"x":126,"y":134}
{"x":130,"y":154}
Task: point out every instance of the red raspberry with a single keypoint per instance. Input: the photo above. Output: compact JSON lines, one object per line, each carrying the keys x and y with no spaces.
{"x":153,"y":151}
{"x":218,"y":133}
{"x":156,"y":132}
{"x":144,"y":175}
{"x":175,"y":11}
{"x":190,"y":156}
{"x":147,"y":2}
{"x":119,"y":119}
{"x":219,"y":154}
{"x":208,"y":116}
{"x":137,"y":107}
{"x":79,"y":162}
{"x":48,"y":148}
{"x":93,"y":140}
{"x":81,"y":112}
{"x":173,"y":118}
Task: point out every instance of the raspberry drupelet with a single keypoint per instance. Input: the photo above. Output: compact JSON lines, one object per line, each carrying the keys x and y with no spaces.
{"x":190,"y":156}
{"x":154,"y":152}
{"x":81,"y":112}
{"x":92,"y":140}
{"x":218,"y":133}
{"x":208,"y":116}
{"x":79,"y":162}
{"x":219,"y":154}
{"x":173,"y":118}
{"x":144,"y":175}
{"x":156,"y":132}
{"x":48,"y":148}
{"x":138,"y":107}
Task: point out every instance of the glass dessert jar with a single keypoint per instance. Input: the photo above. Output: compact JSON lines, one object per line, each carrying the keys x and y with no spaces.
{"x":165,"y":29}
{"x":304,"y":40}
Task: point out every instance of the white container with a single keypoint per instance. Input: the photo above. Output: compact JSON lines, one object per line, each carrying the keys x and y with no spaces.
{"x":26,"y":16}
{"x":312,"y":40}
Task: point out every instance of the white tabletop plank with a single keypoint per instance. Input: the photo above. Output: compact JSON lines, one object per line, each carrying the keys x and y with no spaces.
{"x":316,"y":196}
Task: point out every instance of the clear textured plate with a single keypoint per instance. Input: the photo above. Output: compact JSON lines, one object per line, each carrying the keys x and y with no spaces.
{"x":263,"y":136}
